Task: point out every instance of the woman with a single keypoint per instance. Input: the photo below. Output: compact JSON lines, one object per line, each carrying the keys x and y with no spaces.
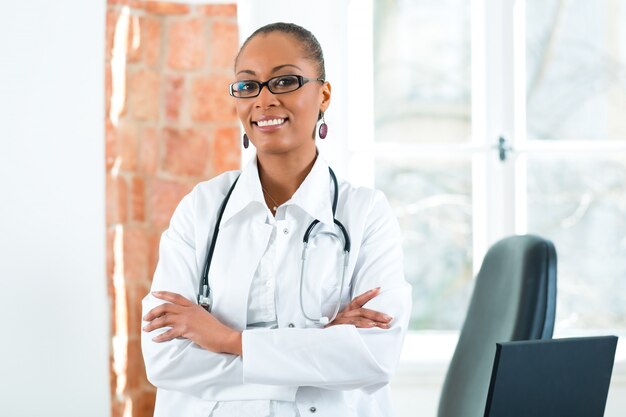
{"x":273,"y":343}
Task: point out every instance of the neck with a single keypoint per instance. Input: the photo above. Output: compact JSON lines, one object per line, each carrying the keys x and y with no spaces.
{"x":282,"y":174}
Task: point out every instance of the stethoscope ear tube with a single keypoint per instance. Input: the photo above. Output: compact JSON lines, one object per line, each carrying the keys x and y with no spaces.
{"x":204,"y":294}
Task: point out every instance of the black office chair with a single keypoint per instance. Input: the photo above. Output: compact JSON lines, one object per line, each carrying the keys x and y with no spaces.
{"x":514,"y":298}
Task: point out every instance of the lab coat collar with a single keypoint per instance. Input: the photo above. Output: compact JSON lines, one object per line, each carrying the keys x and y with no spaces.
{"x":313,"y":196}
{"x":247,"y":193}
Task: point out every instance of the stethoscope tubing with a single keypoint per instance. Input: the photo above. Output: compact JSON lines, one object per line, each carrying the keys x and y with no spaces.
{"x":205,"y":298}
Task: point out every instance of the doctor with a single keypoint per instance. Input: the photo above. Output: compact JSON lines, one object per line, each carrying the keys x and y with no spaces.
{"x":280,"y":339}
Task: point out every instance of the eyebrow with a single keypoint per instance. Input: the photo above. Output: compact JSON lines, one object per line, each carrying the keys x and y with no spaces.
{"x":247,"y":71}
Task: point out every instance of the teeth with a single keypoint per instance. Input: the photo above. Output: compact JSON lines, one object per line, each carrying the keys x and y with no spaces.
{"x":272,"y":122}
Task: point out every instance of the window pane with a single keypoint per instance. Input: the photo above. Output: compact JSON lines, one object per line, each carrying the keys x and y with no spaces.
{"x":580,"y":204}
{"x":433,"y":202}
{"x":576,"y":69}
{"x":422,"y":71}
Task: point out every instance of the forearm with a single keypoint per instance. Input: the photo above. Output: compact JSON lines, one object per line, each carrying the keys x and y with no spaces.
{"x":338,"y":357}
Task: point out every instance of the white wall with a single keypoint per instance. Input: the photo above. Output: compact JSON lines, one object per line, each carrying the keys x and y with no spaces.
{"x":54,"y":336}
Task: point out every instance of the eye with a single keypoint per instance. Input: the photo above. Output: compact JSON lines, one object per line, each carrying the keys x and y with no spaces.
{"x":286,"y":81}
{"x":246,"y":86}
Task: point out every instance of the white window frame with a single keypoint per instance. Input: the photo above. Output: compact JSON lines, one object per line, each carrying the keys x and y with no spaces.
{"x":498,"y":110}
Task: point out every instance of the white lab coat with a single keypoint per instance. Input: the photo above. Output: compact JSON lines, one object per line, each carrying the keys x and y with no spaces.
{"x":336,"y":371}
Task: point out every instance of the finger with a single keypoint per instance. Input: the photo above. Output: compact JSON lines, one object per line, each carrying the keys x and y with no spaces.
{"x":355,"y":321}
{"x":362,"y":323}
{"x":369,"y":314}
{"x":160,"y":310}
{"x":172,"y":297}
{"x":158,"y":323}
{"x":166,"y":336}
{"x":360,"y":300}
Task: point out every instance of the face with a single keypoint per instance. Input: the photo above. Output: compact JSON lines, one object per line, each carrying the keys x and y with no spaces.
{"x":293,"y":115}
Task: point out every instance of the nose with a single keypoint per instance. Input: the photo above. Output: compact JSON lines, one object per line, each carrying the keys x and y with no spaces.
{"x":265,"y":98}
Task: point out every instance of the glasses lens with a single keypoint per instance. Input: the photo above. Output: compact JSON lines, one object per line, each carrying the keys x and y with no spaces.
{"x":245,"y":88}
{"x":284,"y":84}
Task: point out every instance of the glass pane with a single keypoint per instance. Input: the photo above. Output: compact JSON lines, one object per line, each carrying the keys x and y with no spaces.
{"x":433,"y":203}
{"x":580,"y":204}
{"x":576,"y":69}
{"x":422,"y":71}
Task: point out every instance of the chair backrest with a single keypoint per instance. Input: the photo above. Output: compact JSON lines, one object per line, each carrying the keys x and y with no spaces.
{"x":514,"y":298}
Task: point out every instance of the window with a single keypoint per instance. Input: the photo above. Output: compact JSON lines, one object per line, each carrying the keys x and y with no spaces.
{"x":450,"y":79}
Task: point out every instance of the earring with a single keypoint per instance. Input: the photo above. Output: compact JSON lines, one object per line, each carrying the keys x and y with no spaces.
{"x":246,"y":141}
{"x":323,"y":128}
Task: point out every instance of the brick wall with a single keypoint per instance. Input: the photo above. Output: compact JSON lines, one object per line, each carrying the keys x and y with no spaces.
{"x":169,"y":124}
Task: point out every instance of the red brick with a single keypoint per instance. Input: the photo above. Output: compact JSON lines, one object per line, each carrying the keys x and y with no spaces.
{"x":186,"y":47}
{"x":143,"y":94}
{"x":226,"y":149}
{"x":143,"y":403}
{"x":164,"y":197}
{"x":224,"y":44}
{"x":174,"y":90}
{"x":151,"y":40}
{"x":148,"y":150}
{"x":210,"y":100}
{"x":133,"y":45}
{"x":135,"y":4}
{"x":135,"y":371}
{"x":159,"y":7}
{"x":135,"y":292}
{"x":108,"y":89}
{"x":127,"y":145}
{"x":138,"y":199}
{"x":227,"y":10}
{"x":154,"y":238}
{"x":116,"y":199}
{"x":135,"y":254}
{"x":110,"y":144}
{"x":110,"y":259}
{"x":186,"y":152}
{"x":117,"y":408}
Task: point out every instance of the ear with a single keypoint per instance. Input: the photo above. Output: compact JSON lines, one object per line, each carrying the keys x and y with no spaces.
{"x":325,"y":96}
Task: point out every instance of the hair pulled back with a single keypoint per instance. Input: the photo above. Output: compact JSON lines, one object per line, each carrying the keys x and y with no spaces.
{"x":310,"y":45}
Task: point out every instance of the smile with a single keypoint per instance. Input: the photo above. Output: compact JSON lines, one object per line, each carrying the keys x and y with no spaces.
{"x":270,"y":122}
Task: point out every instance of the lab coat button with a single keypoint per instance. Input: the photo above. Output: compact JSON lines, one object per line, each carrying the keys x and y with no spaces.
{"x":291,"y":325}
{"x":286,"y":231}
{"x":312,"y":409}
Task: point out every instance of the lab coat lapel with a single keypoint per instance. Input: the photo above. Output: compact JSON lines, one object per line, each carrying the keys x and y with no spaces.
{"x":239,"y":249}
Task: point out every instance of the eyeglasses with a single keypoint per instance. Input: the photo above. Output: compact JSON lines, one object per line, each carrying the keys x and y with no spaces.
{"x":277,"y":85}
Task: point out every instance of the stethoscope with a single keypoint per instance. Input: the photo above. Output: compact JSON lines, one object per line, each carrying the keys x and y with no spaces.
{"x":205,"y":298}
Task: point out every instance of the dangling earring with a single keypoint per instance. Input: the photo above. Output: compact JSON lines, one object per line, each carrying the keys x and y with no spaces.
{"x":246,"y":141}
{"x":323,"y":128}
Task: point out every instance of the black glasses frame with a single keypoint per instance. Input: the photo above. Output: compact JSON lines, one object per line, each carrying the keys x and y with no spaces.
{"x":301,"y":81}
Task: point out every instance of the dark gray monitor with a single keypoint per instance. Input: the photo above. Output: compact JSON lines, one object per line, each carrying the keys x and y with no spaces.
{"x":551,"y":378}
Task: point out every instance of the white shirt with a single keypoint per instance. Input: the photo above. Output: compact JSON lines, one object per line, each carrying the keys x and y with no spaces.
{"x":337,"y":371}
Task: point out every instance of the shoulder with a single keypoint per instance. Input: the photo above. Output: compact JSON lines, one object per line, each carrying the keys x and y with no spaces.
{"x":367,"y":199}
{"x":217,"y":186}
{"x":206,"y":195}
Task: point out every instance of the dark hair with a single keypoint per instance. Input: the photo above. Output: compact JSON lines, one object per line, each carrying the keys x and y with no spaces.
{"x":310,"y":45}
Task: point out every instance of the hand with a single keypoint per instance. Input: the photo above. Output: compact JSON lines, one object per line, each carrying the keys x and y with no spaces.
{"x":360,"y":317}
{"x":188,"y":320}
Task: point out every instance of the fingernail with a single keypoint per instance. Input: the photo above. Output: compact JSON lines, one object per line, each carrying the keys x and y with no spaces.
{"x":388,"y":318}
{"x":156,"y":292}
